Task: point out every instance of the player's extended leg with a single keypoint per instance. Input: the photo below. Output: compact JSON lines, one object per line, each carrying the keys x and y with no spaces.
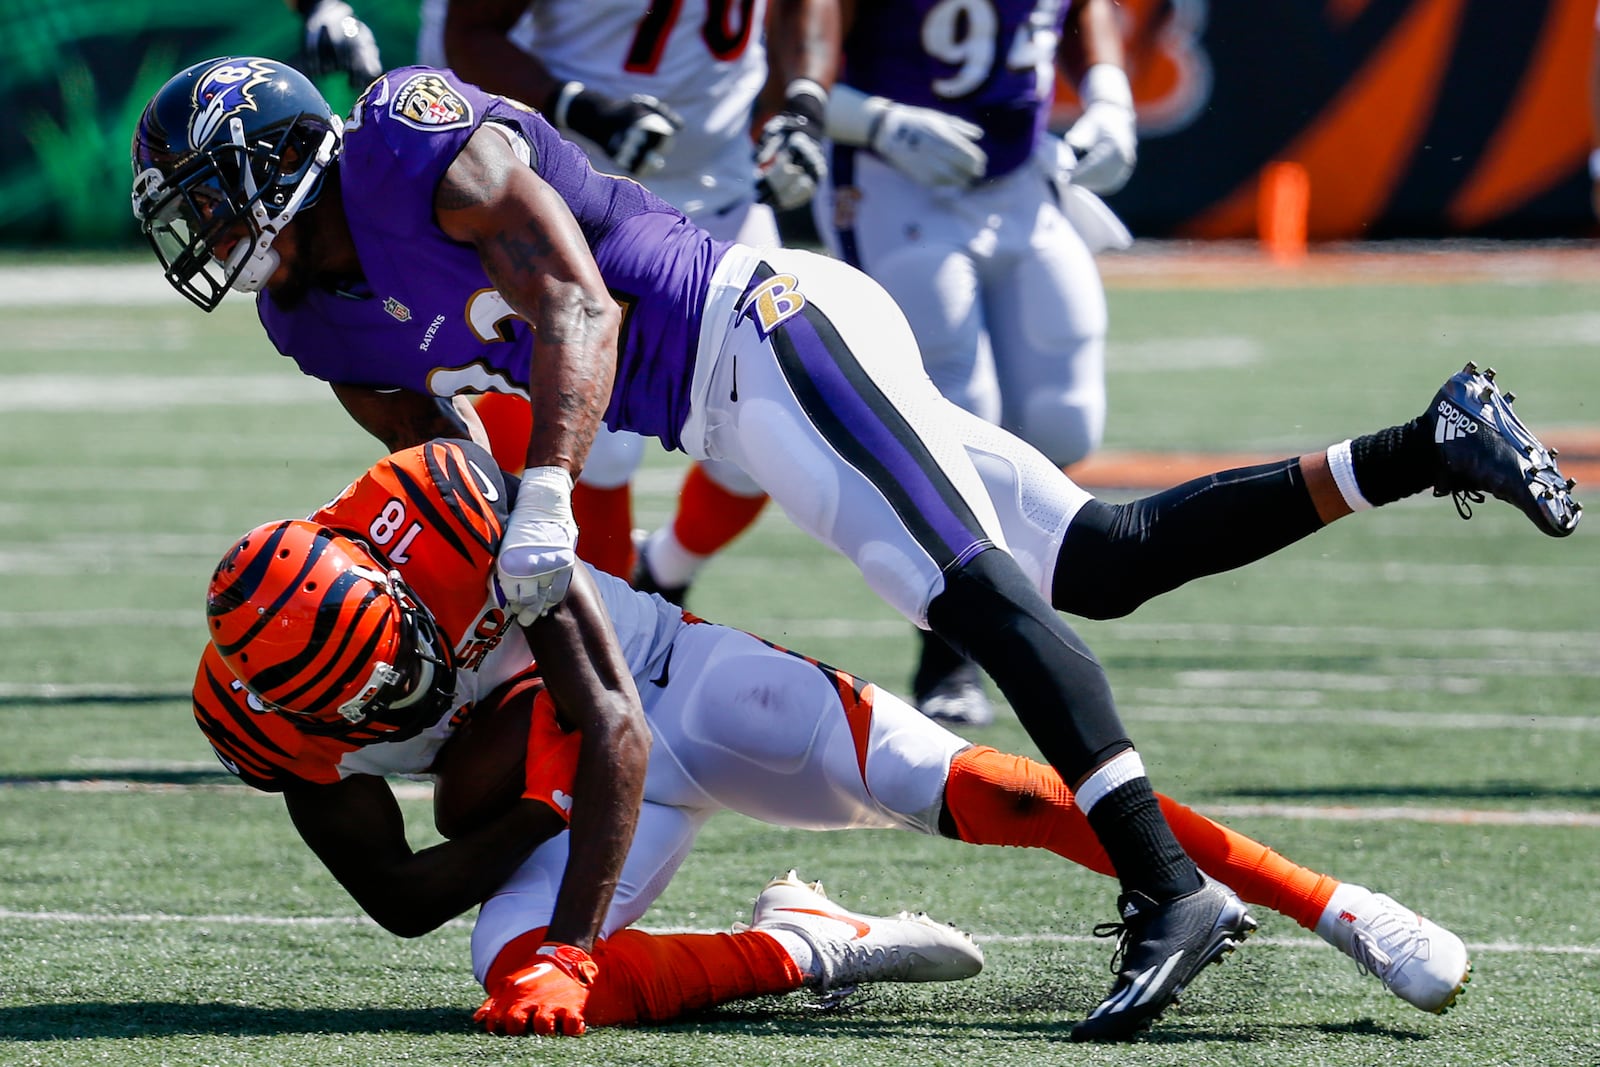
{"x":776,"y":736}
{"x":992,"y":798}
{"x":717,"y":503}
{"x":1114,"y":557}
{"x":817,"y":393}
{"x":1103,"y":560}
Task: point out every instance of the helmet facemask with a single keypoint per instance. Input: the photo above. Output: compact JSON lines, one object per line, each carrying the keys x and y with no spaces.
{"x":231,"y":190}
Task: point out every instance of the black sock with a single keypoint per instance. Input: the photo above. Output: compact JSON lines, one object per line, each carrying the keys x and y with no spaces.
{"x":1394,"y":463}
{"x":1140,"y":844}
{"x":1116,"y":556}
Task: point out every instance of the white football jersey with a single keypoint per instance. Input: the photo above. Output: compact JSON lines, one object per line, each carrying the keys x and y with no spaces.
{"x":705,"y":59}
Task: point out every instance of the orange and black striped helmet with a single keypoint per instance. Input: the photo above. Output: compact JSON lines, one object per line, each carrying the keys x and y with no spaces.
{"x":319,"y":630}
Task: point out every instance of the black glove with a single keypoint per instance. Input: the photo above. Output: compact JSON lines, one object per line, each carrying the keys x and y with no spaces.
{"x":335,"y":40}
{"x":790,"y":156}
{"x":636,"y":132}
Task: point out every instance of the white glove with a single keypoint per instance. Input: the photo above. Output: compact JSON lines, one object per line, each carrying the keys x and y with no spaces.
{"x":335,"y":40}
{"x":636,"y":132}
{"x":540,"y":546}
{"x":1105,"y":136}
{"x":925,"y":145}
{"x":1096,"y":223}
{"x":790,"y":155}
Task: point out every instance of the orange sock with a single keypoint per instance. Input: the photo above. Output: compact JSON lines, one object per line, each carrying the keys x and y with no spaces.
{"x":650,"y":978}
{"x":709,"y":517}
{"x":508,"y":420}
{"x":605,"y":527}
{"x":999,"y":799}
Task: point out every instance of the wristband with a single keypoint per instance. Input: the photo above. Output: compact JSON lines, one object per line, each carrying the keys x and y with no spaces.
{"x":564,"y":98}
{"x":854,"y":117}
{"x":806,"y":98}
{"x":1106,"y":83}
{"x":545,"y":495}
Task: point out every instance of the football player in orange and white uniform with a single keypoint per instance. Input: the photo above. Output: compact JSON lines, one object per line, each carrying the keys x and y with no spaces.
{"x":736,"y":723}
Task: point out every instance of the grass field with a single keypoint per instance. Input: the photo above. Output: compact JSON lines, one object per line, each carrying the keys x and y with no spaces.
{"x":1406,"y":700}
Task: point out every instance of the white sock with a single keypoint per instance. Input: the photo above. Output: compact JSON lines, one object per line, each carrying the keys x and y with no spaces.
{"x":1119,"y":771}
{"x":671,"y":565}
{"x":1342,"y":466}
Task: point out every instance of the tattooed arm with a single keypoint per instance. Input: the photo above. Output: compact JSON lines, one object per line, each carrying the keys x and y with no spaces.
{"x":537,"y":258}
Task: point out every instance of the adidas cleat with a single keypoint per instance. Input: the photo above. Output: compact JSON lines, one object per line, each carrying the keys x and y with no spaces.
{"x":850,"y":949}
{"x":957,"y":699}
{"x":1160,"y":948}
{"x":1484,"y":448}
{"x":1417,"y":960}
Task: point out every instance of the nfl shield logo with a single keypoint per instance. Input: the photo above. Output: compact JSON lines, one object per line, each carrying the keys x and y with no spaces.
{"x":400,"y":312}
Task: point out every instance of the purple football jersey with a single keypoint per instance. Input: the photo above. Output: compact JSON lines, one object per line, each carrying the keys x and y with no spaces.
{"x":427,"y":318}
{"x":988,"y":61}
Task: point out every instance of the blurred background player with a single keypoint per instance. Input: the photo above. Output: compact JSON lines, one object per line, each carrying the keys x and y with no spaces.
{"x":336,"y":41}
{"x":947,"y":188}
{"x":664,"y":94}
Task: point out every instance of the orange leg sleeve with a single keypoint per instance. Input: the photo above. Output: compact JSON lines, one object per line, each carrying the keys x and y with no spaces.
{"x":508,"y":420}
{"x":605,"y":527}
{"x":999,"y":799}
{"x":709,"y":517}
{"x":650,"y":978}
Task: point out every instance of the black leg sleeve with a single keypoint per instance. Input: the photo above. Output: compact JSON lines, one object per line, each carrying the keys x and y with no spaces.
{"x":1117,"y":556}
{"x":990,"y":612}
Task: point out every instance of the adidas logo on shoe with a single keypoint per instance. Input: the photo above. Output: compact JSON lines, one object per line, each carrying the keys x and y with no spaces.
{"x":1452,"y":423}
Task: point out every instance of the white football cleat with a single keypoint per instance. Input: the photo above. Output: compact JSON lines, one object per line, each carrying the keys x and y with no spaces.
{"x":851,"y":949}
{"x":1416,"y":959}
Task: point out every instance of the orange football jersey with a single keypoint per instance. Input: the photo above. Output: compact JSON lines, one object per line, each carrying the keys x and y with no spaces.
{"x":436,"y":514}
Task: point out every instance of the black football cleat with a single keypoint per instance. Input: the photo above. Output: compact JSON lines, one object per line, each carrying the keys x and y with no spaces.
{"x":1160,"y":948}
{"x":1483,"y":447}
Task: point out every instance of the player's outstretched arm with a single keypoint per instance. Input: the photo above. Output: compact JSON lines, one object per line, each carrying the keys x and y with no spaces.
{"x":534,"y":252}
{"x":355,"y":827}
{"x":587,"y":677}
